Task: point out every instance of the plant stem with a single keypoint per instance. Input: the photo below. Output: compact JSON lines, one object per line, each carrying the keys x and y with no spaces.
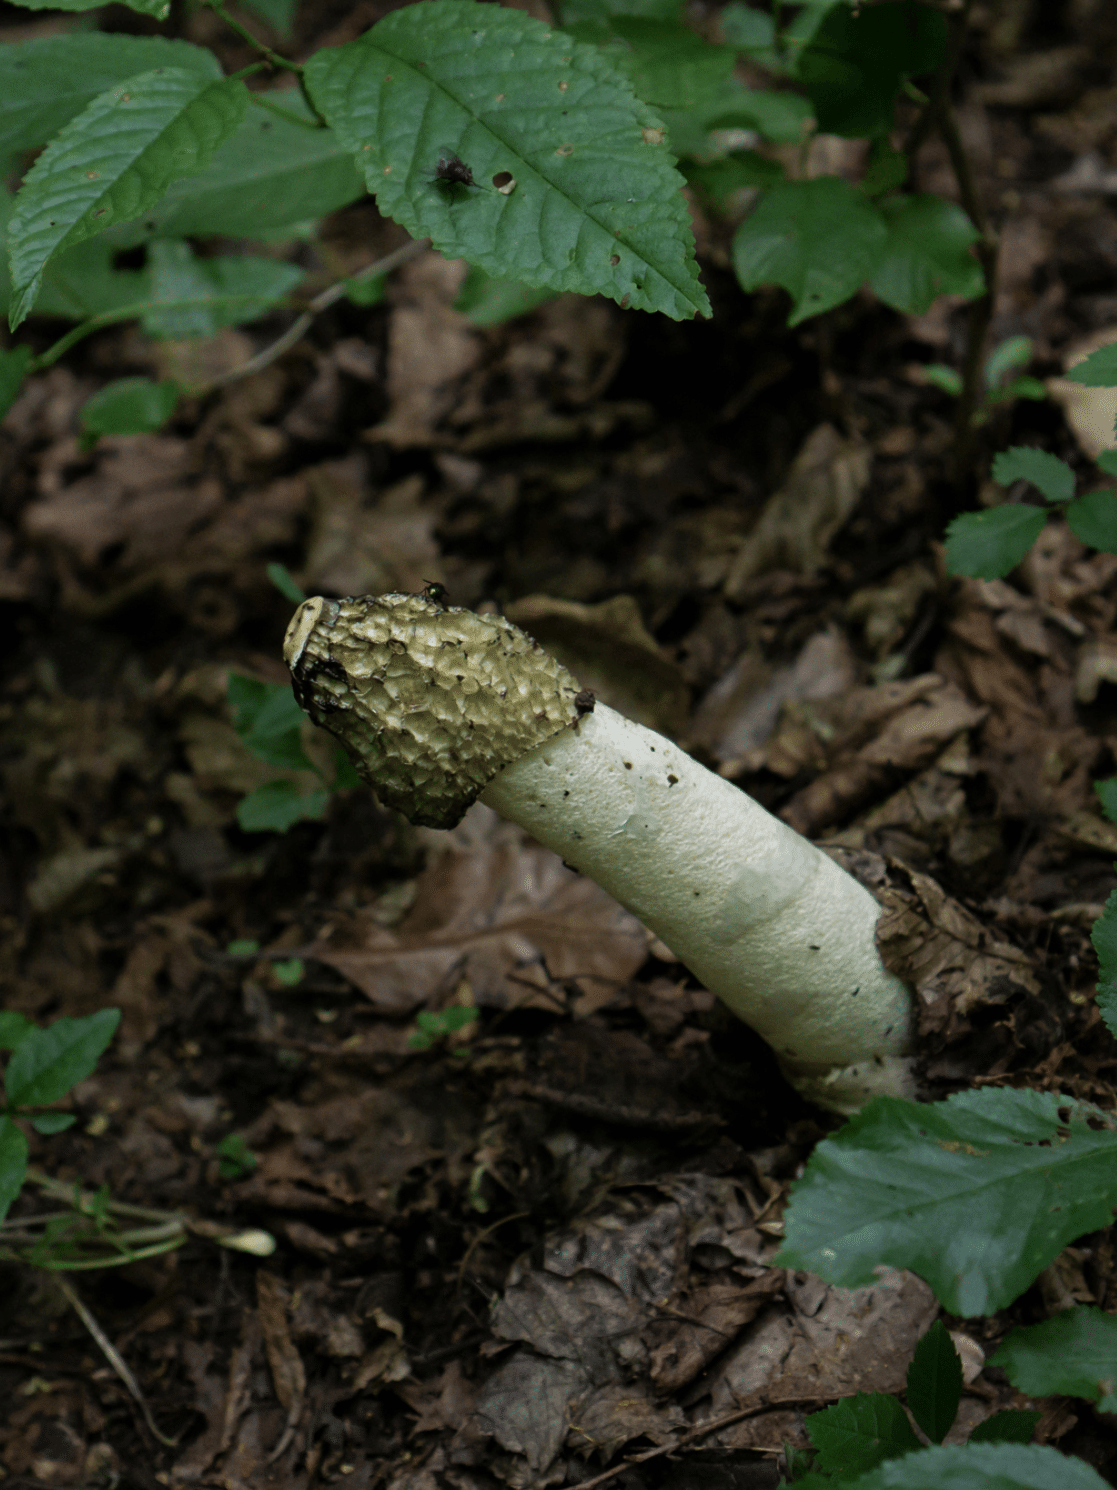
{"x":263,"y":102}
{"x":265,"y":51}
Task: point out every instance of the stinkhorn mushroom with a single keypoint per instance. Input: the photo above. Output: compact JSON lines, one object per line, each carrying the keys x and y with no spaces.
{"x":439,"y":706}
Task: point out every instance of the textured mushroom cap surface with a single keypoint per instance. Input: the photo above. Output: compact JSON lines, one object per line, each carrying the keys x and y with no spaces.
{"x":429,"y":701}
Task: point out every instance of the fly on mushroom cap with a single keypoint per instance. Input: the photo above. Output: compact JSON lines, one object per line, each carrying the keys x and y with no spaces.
{"x":430,"y":701}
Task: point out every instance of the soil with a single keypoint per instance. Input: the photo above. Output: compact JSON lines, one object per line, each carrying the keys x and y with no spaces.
{"x":540,"y":1248}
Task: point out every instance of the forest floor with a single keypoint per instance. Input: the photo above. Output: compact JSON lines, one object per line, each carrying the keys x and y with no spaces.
{"x":465,"y":1232}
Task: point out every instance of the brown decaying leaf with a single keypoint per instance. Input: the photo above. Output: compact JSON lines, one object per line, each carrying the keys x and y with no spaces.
{"x":287,"y":1372}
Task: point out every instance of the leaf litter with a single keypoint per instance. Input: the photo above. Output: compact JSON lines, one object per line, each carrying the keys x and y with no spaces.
{"x":545,"y":1244}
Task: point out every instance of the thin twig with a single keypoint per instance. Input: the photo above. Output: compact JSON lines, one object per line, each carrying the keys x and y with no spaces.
{"x":265,"y":51}
{"x":330,"y":296}
{"x":113,"y":1356}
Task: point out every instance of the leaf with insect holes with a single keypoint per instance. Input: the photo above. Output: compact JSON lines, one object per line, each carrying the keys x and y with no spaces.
{"x":48,"y":1062}
{"x":1013,"y":1425}
{"x":112,"y":161}
{"x":1104,"y":938}
{"x":596,"y":204}
{"x":977,"y":1194}
{"x":926,"y":254}
{"x":158,"y":10}
{"x":935,"y":1382}
{"x":984,"y":1466}
{"x":13,"y":1163}
{"x":819,"y":239}
{"x":860,"y":1432}
{"x":1074,"y":1354}
{"x":1099,"y":370}
{"x":1053,"y":476}
{"x":990,"y":544}
{"x":1093,"y":518}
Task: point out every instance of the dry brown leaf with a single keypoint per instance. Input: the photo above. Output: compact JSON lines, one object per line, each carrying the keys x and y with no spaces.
{"x":703,"y":1324}
{"x":1090,"y":412}
{"x":287,"y":1372}
{"x":368,"y":547}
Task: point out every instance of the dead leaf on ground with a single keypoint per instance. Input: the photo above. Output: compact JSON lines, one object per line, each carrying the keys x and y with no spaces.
{"x":362,"y":544}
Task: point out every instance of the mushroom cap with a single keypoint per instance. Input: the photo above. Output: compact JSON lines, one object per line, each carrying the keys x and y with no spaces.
{"x":430,"y":701}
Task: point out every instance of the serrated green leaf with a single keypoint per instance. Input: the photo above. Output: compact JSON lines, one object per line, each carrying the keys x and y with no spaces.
{"x":46,"y":81}
{"x":1099,"y":370}
{"x":1074,"y":1353}
{"x":860,"y":1432}
{"x":114,"y":160}
{"x":819,"y":239}
{"x":670,"y":65}
{"x":926,"y":254}
{"x":14,"y":1029}
{"x":129,"y":406}
{"x":158,"y":10}
{"x":858,"y":58}
{"x":192,"y":296}
{"x":277,"y":806}
{"x":1104,"y":937}
{"x":1052,"y":476}
{"x":984,"y":1466}
{"x":935,"y":1382}
{"x":976,"y":1194}
{"x":1015,"y":351}
{"x":1013,"y":1425}
{"x":490,"y":302}
{"x":1093,"y":518}
{"x":49,"y":1123}
{"x":13,"y":366}
{"x":48,"y":1063}
{"x":596,"y":205}
{"x":13,"y":1163}
{"x":272,"y":174}
{"x":990,"y":544}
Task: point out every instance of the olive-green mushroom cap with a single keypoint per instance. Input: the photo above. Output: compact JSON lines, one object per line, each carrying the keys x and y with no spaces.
{"x":429,"y":701}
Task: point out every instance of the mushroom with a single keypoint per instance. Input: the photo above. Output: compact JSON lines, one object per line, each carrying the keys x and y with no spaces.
{"x":439,"y":706}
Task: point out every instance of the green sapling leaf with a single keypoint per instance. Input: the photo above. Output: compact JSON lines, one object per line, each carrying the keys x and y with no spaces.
{"x":49,"y":1062}
{"x":1021,"y":388}
{"x":1107,"y":460}
{"x":946,"y":379}
{"x":982,"y":1466}
{"x":116,"y":158}
{"x":990,"y":544}
{"x":1093,"y":518}
{"x":290,"y":971}
{"x":1106,"y":792}
{"x":1015,"y":351}
{"x":751,"y":30}
{"x":1013,"y":1425}
{"x":13,"y":366}
{"x":860,"y":1432}
{"x":926,"y":254}
{"x":887,"y":168}
{"x":13,"y":1163}
{"x":14,"y":1029}
{"x":280,"y":577}
{"x":197,"y":297}
{"x":53,"y":1122}
{"x":976,"y":1194}
{"x":158,"y":10}
{"x":277,"y":806}
{"x":819,"y":239}
{"x":1074,"y":1353}
{"x":671,"y":66}
{"x":269,"y":723}
{"x":935,"y":1382}
{"x":1053,"y":476}
{"x":490,"y":302}
{"x":740,"y":169}
{"x":128,"y":406}
{"x":235,"y":1158}
{"x":1099,"y":370}
{"x":591,"y":201}
{"x":244,"y":946}
{"x":1104,"y":937}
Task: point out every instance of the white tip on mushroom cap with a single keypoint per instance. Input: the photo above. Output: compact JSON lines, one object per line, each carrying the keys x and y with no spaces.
{"x":766,"y":920}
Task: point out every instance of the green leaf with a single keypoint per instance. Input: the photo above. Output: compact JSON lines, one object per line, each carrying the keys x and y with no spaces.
{"x":244,"y":946}
{"x":1013,"y":1425}
{"x":1104,"y":937}
{"x":129,"y":406}
{"x":927,"y":254}
{"x":887,"y":169}
{"x":779,"y":117}
{"x":1107,"y":460}
{"x":159,"y":10}
{"x":277,"y":806}
{"x":46,"y":81}
{"x":200,"y":296}
{"x":1099,"y":370}
{"x":290,"y":971}
{"x":1053,"y":476}
{"x":596,"y":205}
{"x":990,"y":544}
{"x":272,"y":175}
{"x":1014,"y":352}
{"x":489,"y":302}
{"x":13,"y":366}
{"x":670,"y":65}
{"x":976,"y":1194}
{"x":577,"y":12}
{"x":820,"y":239}
{"x":946,"y":379}
{"x":1093,"y":518}
{"x":269,"y":721}
{"x":48,"y":1063}
{"x":860,"y":1432}
{"x":1106,"y":792}
{"x":235,"y":1158}
{"x":112,"y":162}
{"x":14,"y":1029}
{"x":1074,"y":1353}
{"x":280,"y":577}
{"x":82,"y":282}
{"x":1021,"y":388}
{"x":13,"y":1163}
{"x":53,"y":1122}
{"x":361,"y":290}
{"x":279,"y":14}
{"x":751,"y":30}
{"x":858,"y":59}
{"x":742,"y":168}
{"x":935,"y":1382}
{"x":984,"y":1466}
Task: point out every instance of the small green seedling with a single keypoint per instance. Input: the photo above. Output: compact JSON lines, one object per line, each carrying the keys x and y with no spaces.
{"x":235,"y":1159}
{"x":433,"y":1027}
{"x":1014,"y":353}
{"x":130,"y":406}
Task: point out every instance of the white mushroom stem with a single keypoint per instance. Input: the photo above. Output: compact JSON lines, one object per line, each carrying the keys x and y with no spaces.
{"x":762,"y":917}
{"x":438,"y":706}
